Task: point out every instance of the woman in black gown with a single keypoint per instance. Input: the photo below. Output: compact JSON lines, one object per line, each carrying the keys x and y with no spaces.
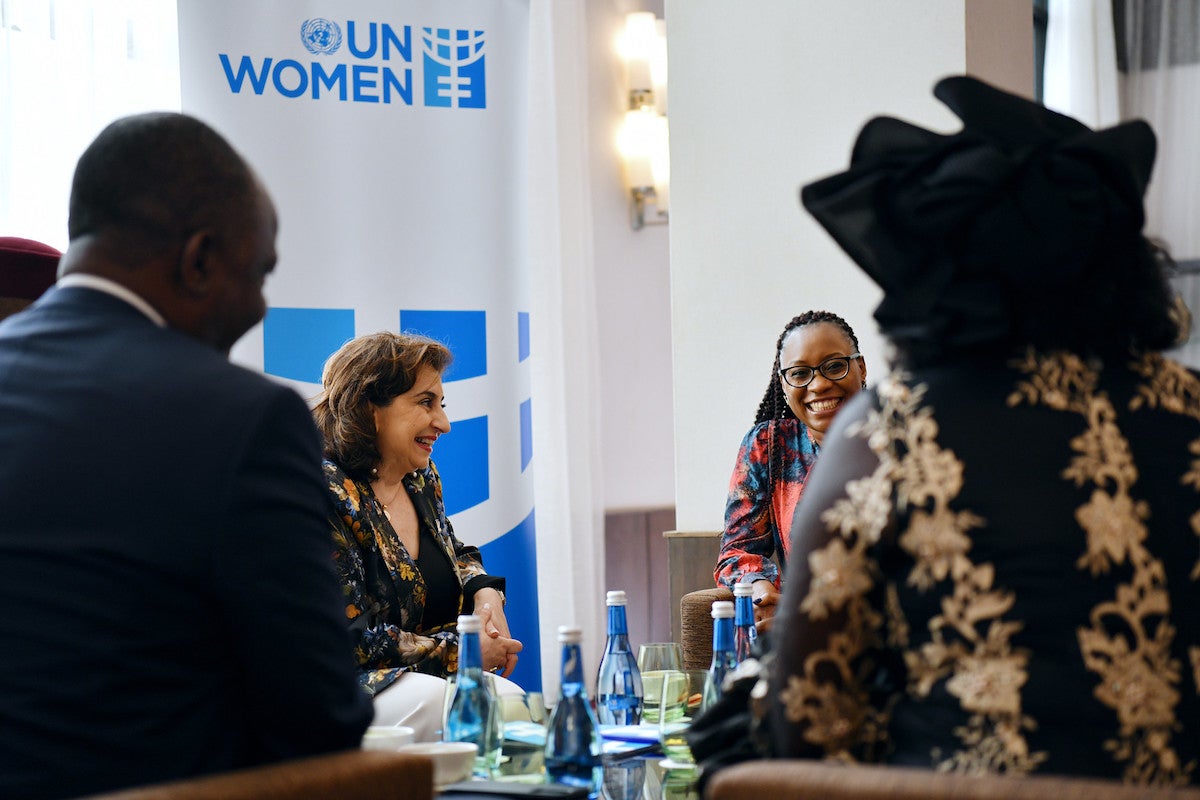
{"x":995,"y":567}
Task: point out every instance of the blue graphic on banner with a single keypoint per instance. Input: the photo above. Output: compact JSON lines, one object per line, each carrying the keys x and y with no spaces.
{"x":526,"y":434}
{"x":296,"y":341}
{"x":376,"y":66}
{"x":321,"y":36}
{"x":522,"y":335}
{"x":462,"y":460}
{"x":454,"y":68}
{"x":464,"y":332}
{"x":382,"y":40}
{"x":514,"y":555}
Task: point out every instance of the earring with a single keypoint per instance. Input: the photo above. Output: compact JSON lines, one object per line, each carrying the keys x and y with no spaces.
{"x":864,"y":385}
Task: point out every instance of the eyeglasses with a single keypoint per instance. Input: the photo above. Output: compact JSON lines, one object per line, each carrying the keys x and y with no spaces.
{"x":834,"y":369}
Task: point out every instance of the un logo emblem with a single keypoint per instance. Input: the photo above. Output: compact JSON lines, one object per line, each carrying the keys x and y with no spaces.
{"x":321,"y":36}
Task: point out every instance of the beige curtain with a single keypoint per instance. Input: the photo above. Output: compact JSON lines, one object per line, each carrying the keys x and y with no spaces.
{"x":1145,"y":56}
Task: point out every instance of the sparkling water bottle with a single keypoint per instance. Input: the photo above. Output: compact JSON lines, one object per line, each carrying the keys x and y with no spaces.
{"x":724,"y":658}
{"x":619,"y":686}
{"x":572,"y":752}
{"x":474,"y":711}
{"x":744,"y":632}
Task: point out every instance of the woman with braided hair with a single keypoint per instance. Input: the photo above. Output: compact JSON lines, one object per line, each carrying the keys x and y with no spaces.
{"x":817,"y":369}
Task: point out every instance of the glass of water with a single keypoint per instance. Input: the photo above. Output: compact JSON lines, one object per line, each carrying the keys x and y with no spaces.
{"x":657,"y":662}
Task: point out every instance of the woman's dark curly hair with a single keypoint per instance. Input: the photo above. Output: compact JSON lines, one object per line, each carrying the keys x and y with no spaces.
{"x":368,"y":371}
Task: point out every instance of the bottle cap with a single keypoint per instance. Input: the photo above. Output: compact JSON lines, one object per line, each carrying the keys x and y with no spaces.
{"x":616,"y":597}
{"x":743,"y":590}
{"x":469,"y":623}
{"x":570,"y":634}
{"x":722,"y":608}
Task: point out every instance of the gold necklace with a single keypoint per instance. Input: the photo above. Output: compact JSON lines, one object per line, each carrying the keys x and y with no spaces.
{"x":392,"y":499}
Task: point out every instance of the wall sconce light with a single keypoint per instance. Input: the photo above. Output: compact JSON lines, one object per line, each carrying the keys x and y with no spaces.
{"x":643,"y":141}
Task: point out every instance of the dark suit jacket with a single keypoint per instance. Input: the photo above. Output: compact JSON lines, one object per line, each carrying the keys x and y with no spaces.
{"x":168,"y":605}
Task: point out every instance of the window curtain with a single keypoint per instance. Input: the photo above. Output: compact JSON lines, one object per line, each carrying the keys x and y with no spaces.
{"x":565,"y":374}
{"x":1111,"y":60}
{"x":67,"y":69}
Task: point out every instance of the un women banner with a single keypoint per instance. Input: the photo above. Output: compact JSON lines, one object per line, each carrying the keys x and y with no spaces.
{"x":391,"y":134}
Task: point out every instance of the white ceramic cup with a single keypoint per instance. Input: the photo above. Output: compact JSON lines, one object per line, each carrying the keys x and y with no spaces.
{"x":387,"y":737}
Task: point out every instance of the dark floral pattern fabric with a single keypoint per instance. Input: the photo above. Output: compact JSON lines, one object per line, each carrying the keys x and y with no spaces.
{"x":384,"y":590}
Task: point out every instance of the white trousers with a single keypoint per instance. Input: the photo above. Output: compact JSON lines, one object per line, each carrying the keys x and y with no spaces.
{"x":419,"y":701}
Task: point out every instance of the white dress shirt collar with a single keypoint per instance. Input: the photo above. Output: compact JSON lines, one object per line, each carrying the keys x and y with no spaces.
{"x":116,"y":290}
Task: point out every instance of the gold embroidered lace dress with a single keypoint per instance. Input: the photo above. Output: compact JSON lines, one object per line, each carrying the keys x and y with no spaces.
{"x":996,"y":570}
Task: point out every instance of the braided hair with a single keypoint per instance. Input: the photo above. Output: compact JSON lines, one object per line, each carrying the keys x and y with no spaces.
{"x":774,"y":406}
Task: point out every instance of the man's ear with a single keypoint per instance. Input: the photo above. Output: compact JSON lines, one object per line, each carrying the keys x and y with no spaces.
{"x":194,"y":271}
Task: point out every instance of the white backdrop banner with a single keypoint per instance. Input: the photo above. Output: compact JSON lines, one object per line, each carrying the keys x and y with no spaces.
{"x":391,"y":135}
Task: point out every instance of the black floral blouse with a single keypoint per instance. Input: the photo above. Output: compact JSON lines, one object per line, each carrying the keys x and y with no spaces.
{"x":385,"y":591}
{"x":995,"y":571}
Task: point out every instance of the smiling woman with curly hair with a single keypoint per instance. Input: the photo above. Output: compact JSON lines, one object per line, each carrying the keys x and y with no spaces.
{"x":406,"y":577}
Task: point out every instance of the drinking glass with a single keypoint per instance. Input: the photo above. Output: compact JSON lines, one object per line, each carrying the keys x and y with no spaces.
{"x":672,"y":717}
{"x":624,"y":780}
{"x":655,"y":661}
{"x":537,"y":707}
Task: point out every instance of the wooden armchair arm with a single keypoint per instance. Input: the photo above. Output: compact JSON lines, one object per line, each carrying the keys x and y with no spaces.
{"x":786,"y":779}
{"x":351,"y":775}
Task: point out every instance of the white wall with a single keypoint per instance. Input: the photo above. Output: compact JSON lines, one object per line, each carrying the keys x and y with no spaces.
{"x":764,"y":98}
{"x":633,"y":293}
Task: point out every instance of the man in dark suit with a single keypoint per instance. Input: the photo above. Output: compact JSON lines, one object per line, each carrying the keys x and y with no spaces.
{"x":168,"y":605}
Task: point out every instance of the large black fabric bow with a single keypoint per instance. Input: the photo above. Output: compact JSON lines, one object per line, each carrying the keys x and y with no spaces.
{"x":956,"y":228}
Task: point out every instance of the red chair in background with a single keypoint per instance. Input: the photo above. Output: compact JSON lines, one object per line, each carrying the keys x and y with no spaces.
{"x":27,"y":269}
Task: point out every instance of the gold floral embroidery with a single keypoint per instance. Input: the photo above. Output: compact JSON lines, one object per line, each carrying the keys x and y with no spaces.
{"x":835,"y":714}
{"x":1194,"y":655}
{"x":985,"y":672}
{"x":971,"y":645}
{"x":1113,"y":525}
{"x":998,"y":748}
{"x":838,"y":576}
{"x":1192,"y":478}
{"x":970,"y":648}
{"x":1056,"y":383}
{"x":829,"y":698}
{"x":937,"y":541}
{"x":897,"y":624}
{"x":1127,"y":644}
{"x":1171,"y":386}
{"x":865,"y":508}
{"x":1168,"y":385}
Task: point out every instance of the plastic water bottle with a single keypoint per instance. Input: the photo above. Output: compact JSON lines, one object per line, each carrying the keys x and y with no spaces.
{"x":572,"y":752}
{"x":474,"y":712}
{"x":724,"y":658}
{"x":744,"y":632}
{"x":619,"y":686}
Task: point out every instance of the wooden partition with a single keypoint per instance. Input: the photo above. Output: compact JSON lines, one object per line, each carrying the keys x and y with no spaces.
{"x":691,"y":557}
{"x":636,"y":560}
